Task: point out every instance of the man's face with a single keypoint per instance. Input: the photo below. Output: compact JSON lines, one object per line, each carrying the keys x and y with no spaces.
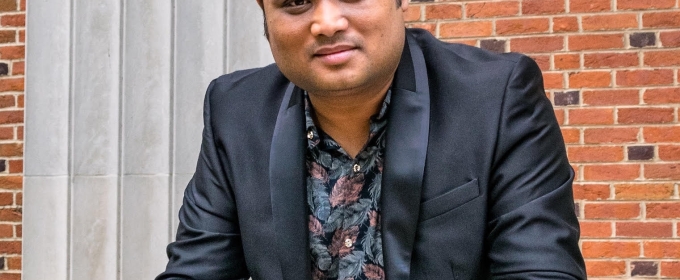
{"x":336,"y":46}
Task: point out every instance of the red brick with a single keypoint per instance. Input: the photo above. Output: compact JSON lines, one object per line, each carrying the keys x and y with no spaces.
{"x":22,"y":35}
{"x":443,"y":11}
{"x":610,"y":249}
{"x":595,"y":42}
{"x":543,"y":61}
{"x":611,"y":172}
{"x":466,"y":29}
{"x":18,"y":68}
{"x":20,"y":132}
{"x":610,"y":60}
{"x":664,"y":210}
{"x":644,"y":229}
{"x":8,"y":36}
{"x":11,"y":182}
{"x":609,"y":22}
{"x":605,"y":268}
{"x":534,"y":7}
{"x":591,"y":191}
{"x":10,"y":247}
{"x":591,"y":116}
{"x":662,"y":95}
{"x":611,"y":135}
{"x":662,"y":58}
{"x":578,"y":154}
{"x":427,"y":26}
{"x":14,"y":263}
{"x":595,"y":229}
{"x":670,"y":269}
{"x":16,"y":166}
{"x":6,"y":231}
{"x":670,"y":38}
{"x":644,"y":77}
{"x":590,"y":79}
{"x":10,"y":215}
{"x":611,"y":97}
{"x":491,"y":9}
{"x":590,"y":6}
{"x":13,"y":20}
{"x":20,"y":101}
{"x":661,"y":249}
{"x":11,"y":117}
{"x":567,"y":61}
{"x":19,"y":201}
{"x":11,"y":150}
{"x":669,"y":152}
{"x":522,"y":26}
{"x":643,"y":191}
{"x":10,"y":276}
{"x":7,"y":101}
{"x":8,"y":5}
{"x":644,"y":4}
{"x":608,"y":210}
{"x":469,"y":42}
{"x":663,"y":171}
{"x":6,"y":199}
{"x":22,"y":5}
{"x":559,"y":114}
{"x":12,"y":84}
{"x":12,"y":52}
{"x":553,"y":80}
{"x":645,"y":115}
{"x":6,"y":133}
{"x":661,"y":134}
{"x":661,"y":19}
{"x":537,"y":44}
{"x":412,"y":13}
{"x":571,"y":135}
{"x":565,"y":24}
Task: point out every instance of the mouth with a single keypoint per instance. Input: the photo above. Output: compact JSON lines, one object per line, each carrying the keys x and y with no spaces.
{"x":336,"y":54}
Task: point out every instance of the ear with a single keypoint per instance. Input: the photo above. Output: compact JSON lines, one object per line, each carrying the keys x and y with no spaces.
{"x":404,"y":4}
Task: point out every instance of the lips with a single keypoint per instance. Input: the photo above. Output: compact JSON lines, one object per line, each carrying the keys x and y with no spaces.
{"x":335,"y":55}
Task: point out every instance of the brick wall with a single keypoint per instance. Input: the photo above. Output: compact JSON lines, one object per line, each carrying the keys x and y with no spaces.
{"x":12,"y":38}
{"x":611,"y":69}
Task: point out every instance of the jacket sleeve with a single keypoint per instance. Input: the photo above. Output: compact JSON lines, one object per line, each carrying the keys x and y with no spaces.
{"x":533,"y":230}
{"x":208,"y":242}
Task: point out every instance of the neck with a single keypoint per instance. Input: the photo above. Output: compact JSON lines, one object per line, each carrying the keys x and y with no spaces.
{"x":346,"y":117}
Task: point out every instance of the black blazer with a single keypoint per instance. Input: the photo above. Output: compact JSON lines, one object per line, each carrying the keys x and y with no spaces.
{"x":476,"y":182}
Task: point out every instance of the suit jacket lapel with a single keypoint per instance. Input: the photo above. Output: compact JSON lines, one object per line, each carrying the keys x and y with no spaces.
{"x":288,"y":188}
{"x":405,"y":152}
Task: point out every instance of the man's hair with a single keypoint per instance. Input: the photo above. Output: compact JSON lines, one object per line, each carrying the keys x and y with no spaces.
{"x":266,"y":29}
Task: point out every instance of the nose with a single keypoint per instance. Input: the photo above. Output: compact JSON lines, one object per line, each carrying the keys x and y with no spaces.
{"x":328,"y":18}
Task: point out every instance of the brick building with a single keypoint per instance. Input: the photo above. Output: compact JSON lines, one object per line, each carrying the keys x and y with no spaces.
{"x":113,"y":114}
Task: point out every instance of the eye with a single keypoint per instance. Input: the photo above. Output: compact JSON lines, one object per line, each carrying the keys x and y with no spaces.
{"x":297,"y":3}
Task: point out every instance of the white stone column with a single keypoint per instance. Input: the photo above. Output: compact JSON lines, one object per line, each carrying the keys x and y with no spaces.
{"x":113,"y":125}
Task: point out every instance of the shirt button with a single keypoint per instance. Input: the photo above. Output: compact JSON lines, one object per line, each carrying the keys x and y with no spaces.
{"x":348,"y":243}
{"x":310,"y":135}
{"x":356,"y":168}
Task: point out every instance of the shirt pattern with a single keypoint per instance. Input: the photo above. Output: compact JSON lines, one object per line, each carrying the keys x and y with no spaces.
{"x":343,"y":195}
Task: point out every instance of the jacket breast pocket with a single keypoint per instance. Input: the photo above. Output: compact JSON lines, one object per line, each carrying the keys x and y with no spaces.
{"x":450,"y":200}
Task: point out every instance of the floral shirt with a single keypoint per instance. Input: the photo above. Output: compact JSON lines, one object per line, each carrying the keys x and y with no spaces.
{"x":343,"y":195}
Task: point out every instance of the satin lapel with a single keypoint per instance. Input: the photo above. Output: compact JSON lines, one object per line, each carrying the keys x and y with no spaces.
{"x":287,"y":186}
{"x":405,"y":152}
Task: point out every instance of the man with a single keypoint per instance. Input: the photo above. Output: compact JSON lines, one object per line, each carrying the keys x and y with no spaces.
{"x":373,"y":152}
